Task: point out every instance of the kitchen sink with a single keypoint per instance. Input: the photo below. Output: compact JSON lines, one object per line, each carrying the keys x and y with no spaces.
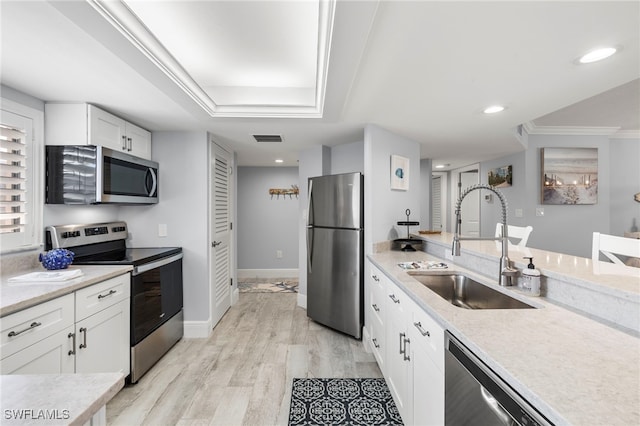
{"x":464,"y":292}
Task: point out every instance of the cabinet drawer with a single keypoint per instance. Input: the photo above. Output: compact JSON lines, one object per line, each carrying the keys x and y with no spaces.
{"x":97,"y":297}
{"x":377,"y":303}
{"x":26,"y":327}
{"x":429,"y":334}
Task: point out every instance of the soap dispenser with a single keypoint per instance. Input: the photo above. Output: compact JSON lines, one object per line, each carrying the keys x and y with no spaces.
{"x":531,"y":278}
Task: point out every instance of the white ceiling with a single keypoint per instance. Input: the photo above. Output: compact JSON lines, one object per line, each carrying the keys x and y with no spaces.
{"x":421,"y":69}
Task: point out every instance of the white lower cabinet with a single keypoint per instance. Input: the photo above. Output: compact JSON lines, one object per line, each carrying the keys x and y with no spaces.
{"x":103,"y":341}
{"x":83,"y":332}
{"x":398,"y":357}
{"x":375,"y":314}
{"x":427,"y":361}
{"x":413,"y":351}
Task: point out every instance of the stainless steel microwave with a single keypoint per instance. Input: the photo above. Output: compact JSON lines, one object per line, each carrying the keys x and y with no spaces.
{"x":89,"y":174}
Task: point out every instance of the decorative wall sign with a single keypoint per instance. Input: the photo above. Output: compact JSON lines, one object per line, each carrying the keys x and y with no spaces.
{"x":501,"y":177}
{"x":399,"y":173}
{"x":569,"y":175}
{"x":294,"y":190}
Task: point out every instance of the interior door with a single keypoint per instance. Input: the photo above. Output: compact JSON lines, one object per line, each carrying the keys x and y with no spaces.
{"x":220,"y":228}
{"x":470,"y":207}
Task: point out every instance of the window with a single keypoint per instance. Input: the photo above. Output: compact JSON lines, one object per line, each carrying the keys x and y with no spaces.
{"x":20,"y":174}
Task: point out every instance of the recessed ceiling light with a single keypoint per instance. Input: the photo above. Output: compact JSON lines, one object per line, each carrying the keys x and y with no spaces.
{"x":442,"y":166}
{"x":493,"y":109}
{"x":597,"y":55}
{"x":279,"y":160}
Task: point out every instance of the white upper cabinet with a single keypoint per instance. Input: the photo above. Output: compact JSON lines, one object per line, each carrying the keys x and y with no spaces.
{"x":85,"y":124}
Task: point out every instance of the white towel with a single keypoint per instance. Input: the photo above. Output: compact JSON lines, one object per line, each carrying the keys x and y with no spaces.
{"x":46,"y":276}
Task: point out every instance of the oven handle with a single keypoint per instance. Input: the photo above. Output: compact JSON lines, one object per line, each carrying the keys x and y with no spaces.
{"x":153,"y":265}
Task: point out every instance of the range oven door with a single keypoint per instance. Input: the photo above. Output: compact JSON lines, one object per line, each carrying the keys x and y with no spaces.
{"x":156,"y":295}
{"x":475,"y":395}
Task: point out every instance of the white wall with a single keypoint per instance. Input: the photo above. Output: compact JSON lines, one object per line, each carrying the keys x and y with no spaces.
{"x":384,"y":207}
{"x":183,"y":207}
{"x":267,"y":224}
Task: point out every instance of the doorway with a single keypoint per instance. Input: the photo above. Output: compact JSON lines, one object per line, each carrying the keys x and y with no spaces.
{"x":470,"y":208}
{"x":439,"y":206}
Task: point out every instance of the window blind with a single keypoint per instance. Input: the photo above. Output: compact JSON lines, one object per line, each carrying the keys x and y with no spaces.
{"x":13,"y":180}
{"x":436,"y":205}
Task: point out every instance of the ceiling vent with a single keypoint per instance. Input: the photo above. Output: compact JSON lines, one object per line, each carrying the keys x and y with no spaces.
{"x":268,"y":138}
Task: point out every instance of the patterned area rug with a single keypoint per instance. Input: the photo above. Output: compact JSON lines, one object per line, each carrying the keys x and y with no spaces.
{"x":263,"y":285}
{"x":342,"y":402}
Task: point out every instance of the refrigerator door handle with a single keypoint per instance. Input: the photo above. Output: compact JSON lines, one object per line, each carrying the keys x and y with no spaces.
{"x":309,"y":248}
{"x":309,"y":202}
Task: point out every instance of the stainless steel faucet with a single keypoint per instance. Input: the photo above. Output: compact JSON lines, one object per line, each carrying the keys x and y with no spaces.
{"x":507,"y":272}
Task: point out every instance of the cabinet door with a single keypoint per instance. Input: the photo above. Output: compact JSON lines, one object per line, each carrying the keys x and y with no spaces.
{"x":53,"y":355}
{"x":102,"y":341}
{"x":427,"y":381}
{"x":397,"y":358}
{"x":138,"y":141}
{"x":106,"y":129}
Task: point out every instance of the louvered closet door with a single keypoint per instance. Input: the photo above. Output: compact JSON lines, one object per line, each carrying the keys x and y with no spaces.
{"x":221,"y":232}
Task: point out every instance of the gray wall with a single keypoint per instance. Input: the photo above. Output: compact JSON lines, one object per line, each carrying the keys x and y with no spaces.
{"x":568,"y":228}
{"x":384,"y":207}
{"x":267,"y":224}
{"x":625,"y":182}
{"x":183,"y":207}
{"x":347,"y":158}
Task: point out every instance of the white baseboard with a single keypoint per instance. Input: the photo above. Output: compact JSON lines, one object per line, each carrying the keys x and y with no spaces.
{"x":302,"y":300}
{"x":197,"y":329}
{"x":267,"y":273}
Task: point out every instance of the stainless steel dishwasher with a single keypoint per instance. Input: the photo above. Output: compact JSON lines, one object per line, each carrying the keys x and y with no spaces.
{"x":475,"y":395}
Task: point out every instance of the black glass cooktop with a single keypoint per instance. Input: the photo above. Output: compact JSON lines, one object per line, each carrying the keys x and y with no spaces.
{"x":130,"y":256}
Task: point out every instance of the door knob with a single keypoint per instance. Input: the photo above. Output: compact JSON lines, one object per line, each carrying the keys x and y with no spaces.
{"x":216,"y":243}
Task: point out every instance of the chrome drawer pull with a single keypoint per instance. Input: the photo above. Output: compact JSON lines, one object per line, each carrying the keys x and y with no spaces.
{"x":102,"y":296}
{"x":375,"y":307}
{"x":375,"y":343}
{"x":402,"y":340}
{"x":422,"y":330}
{"x":84,"y":344}
{"x":393,"y":297}
{"x":32,"y":326}
{"x":72,"y":351}
{"x":406,"y":355}
{"x":375,"y":278}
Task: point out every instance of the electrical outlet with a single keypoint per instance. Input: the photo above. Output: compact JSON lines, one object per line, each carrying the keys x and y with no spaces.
{"x":278,"y":254}
{"x":539,"y":211}
{"x":162,"y":230}
{"x":518,"y":213}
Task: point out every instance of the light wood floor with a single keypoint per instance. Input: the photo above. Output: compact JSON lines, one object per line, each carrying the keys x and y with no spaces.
{"x":242,"y":374}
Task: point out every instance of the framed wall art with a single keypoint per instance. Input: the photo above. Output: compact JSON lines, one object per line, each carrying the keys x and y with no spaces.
{"x":399,"y":173}
{"x":569,"y":175}
{"x":500,"y":177}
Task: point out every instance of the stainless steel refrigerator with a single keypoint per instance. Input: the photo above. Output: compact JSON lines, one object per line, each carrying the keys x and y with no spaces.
{"x":335,"y":252}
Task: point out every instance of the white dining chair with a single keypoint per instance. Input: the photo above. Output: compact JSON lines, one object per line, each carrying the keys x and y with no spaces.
{"x":520,"y":232}
{"x":610,"y":245}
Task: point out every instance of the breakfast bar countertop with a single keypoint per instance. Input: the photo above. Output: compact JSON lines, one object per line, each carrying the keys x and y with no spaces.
{"x":573,"y":369}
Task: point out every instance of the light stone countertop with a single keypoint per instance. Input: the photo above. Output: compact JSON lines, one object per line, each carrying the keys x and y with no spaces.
{"x":15,"y":297}
{"x":574,"y":370}
{"x":599,"y":276}
{"x":56,"y":399}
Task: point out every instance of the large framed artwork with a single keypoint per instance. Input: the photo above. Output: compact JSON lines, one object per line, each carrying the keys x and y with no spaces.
{"x":569,"y":175}
{"x":399,"y":173}
{"x":500,"y":177}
